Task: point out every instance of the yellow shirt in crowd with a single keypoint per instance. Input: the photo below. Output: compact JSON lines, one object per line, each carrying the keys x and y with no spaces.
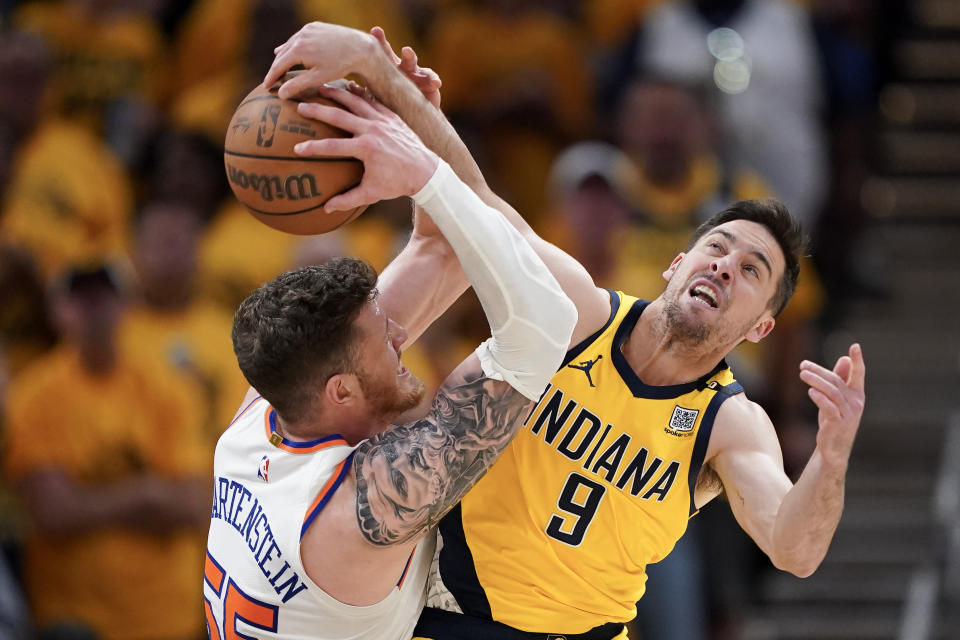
{"x":193,"y":344}
{"x":99,"y":431}
{"x":69,"y":198}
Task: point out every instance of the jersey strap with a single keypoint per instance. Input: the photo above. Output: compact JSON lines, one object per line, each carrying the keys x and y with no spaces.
{"x":703,"y":434}
{"x":438,"y":624}
{"x":323,"y":497}
{"x":586,"y":342}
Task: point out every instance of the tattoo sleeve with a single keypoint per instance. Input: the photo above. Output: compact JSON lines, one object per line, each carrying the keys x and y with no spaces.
{"x":410,"y":476}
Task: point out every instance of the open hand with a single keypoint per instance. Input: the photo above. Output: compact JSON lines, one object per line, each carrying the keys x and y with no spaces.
{"x":396,"y":163}
{"x":839,"y":394}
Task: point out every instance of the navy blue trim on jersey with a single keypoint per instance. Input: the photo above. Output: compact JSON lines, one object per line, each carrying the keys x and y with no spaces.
{"x":703,"y":435}
{"x":638,"y":387}
{"x":586,"y":342}
{"x":243,"y":411}
{"x":326,"y":498}
{"x":457,"y":569}
{"x":296,"y":444}
{"x":406,"y":568}
{"x":437,"y":624}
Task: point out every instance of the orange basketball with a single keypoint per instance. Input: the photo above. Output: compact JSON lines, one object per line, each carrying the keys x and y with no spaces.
{"x":281,"y":189}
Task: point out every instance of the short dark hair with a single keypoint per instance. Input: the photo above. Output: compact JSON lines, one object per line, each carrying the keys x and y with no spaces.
{"x":786,"y":229}
{"x":296,"y":331}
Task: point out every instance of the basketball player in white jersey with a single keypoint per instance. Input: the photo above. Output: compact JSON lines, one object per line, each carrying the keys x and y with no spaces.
{"x":321,"y":505}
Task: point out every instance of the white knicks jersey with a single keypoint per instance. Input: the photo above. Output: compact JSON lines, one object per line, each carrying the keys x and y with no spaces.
{"x":267,"y":492}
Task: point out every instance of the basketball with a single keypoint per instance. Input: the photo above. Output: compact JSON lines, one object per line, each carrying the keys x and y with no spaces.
{"x":281,"y":189}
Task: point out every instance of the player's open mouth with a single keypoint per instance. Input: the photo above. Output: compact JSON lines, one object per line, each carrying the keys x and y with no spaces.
{"x":705,"y":294}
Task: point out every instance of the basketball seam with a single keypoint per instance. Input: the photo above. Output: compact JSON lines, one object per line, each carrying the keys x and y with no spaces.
{"x":297,"y":158}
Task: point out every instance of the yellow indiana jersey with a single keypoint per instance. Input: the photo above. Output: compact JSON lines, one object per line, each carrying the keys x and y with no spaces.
{"x":596,"y":485}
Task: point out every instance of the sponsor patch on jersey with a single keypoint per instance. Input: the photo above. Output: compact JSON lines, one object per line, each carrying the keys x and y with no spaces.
{"x":683,"y":420}
{"x":264,"y":469}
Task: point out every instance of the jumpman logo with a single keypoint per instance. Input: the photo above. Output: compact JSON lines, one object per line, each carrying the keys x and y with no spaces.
{"x":585,"y":366}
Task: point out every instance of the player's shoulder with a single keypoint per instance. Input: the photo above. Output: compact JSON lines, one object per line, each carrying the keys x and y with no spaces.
{"x":741,"y":423}
{"x":596,"y":310}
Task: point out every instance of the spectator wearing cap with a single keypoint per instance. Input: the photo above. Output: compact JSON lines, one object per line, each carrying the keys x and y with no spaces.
{"x":102,"y":451}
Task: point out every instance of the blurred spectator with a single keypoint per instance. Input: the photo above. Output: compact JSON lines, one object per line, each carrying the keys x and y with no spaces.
{"x":110,"y":61}
{"x":847,"y":34}
{"x":186,"y":166}
{"x":68,"y":197}
{"x":25,"y":65}
{"x":519,"y":102}
{"x":174,"y":328}
{"x":103,"y":452}
{"x":762,"y":57}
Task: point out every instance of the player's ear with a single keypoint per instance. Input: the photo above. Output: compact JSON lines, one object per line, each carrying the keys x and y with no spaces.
{"x":762,"y":327}
{"x":342,"y":389}
{"x":673,"y":267}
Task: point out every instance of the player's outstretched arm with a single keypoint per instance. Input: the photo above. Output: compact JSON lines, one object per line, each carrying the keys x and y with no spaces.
{"x":794,"y":525}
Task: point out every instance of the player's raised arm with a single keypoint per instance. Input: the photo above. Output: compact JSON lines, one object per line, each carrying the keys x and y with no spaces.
{"x":330,"y":52}
{"x":404,"y":479}
{"x":792,"y":524}
{"x":474,"y":416}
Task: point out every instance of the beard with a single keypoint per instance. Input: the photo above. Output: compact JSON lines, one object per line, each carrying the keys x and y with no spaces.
{"x":686,"y":329}
{"x":389,"y":400}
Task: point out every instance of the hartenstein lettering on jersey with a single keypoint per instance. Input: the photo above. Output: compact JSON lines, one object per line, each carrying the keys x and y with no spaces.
{"x":235,"y":504}
{"x":267,"y":491}
{"x":597,"y":485}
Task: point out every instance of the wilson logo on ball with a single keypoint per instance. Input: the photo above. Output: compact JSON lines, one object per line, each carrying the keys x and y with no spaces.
{"x":291,"y":187}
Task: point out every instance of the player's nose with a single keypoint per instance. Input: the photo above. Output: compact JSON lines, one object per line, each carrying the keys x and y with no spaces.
{"x":722,"y":267}
{"x":399,"y":334}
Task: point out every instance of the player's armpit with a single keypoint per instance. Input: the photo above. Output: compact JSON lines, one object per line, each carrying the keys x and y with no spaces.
{"x":409,"y":477}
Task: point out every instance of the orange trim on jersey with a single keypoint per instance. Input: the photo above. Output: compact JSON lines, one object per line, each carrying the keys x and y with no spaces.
{"x":326,"y":492}
{"x":293,"y":446}
{"x":403,"y":576}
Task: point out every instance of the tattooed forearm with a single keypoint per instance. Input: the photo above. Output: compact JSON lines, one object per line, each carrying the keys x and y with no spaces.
{"x":408,"y":477}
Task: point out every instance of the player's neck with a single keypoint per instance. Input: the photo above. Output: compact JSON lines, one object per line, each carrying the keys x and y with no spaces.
{"x":659,"y":357}
{"x":351,"y":429}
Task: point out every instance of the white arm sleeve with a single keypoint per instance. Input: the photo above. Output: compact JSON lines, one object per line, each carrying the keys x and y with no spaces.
{"x":531,"y":319}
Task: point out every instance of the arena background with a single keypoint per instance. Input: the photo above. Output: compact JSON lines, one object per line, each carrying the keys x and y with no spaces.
{"x":613,"y":126}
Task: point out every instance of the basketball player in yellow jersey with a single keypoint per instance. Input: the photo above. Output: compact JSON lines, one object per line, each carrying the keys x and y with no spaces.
{"x":642,"y":425}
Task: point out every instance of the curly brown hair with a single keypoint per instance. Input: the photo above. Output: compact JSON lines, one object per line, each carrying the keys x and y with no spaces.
{"x":297,"y":330}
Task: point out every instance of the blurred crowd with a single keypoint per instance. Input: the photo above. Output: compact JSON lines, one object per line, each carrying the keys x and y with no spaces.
{"x":614,"y":126}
